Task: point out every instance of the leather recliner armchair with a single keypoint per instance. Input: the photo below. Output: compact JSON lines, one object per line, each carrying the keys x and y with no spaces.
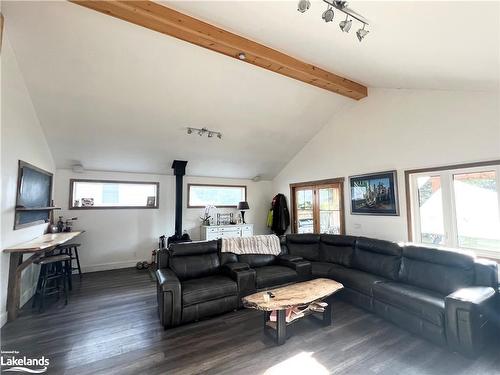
{"x":193,"y":285}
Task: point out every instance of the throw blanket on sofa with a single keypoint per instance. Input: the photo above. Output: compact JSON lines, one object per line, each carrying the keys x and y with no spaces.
{"x":262,"y":244}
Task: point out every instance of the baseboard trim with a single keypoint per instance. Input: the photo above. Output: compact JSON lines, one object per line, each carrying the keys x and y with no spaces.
{"x":109,"y":266}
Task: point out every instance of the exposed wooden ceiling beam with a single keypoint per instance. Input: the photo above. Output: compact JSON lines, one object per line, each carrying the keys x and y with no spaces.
{"x":170,"y":22}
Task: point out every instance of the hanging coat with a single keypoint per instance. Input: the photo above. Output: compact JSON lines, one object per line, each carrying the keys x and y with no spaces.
{"x":281,"y":216}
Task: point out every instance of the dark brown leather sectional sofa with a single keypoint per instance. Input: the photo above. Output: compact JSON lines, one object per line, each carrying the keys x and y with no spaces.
{"x":446,"y":296}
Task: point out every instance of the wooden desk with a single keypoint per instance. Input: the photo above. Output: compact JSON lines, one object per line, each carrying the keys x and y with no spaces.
{"x":38,"y":247}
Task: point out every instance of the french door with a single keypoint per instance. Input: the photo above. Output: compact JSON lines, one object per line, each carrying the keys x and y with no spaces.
{"x":318,"y":207}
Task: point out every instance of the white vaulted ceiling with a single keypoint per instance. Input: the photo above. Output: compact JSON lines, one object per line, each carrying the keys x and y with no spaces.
{"x":115,"y":96}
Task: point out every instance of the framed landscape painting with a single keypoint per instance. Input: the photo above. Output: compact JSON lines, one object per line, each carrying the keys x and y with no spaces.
{"x":374,"y":194}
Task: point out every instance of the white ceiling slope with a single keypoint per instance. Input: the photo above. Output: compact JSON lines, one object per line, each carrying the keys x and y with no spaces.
{"x":115,"y":96}
{"x":441,"y":45}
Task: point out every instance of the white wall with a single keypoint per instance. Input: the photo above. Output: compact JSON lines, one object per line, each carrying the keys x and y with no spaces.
{"x":21,"y":138}
{"x":121,"y":237}
{"x":259,"y":196}
{"x":397,"y":129}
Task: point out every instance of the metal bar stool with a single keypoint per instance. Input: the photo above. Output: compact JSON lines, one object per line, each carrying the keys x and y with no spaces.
{"x":71,"y":249}
{"x":54,"y":270}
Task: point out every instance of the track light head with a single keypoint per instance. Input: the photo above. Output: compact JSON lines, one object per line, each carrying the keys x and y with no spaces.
{"x":210,"y":134}
{"x":303,"y":5}
{"x":219,"y":135}
{"x":189,"y":131}
{"x":345,"y":25}
{"x":361,"y":33}
{"x":340,"y":4}
{"x":328,"y":15}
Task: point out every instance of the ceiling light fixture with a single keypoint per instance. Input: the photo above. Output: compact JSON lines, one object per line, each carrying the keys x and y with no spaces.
{"x":203,"y":131}
{"x":328,"y":15}
{"x":345,"y":25}
{"x":303,"y":5}
{"x":78,"y":168}
{"x":361,"y":33}
{"x":242,"y":56}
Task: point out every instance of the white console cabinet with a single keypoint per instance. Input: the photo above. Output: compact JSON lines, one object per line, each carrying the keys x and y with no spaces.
{"x":214,"y":232}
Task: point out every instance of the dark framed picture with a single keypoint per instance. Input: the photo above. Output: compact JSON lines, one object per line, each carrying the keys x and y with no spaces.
{"x":374,"y":194}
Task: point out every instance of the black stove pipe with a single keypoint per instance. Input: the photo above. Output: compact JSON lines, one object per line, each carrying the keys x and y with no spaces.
{"x":179,"y":167}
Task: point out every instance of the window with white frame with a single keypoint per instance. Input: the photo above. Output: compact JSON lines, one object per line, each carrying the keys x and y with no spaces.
{"x":457,"y":207}
{"x":202,"y":195}
{"x":100,"y":194}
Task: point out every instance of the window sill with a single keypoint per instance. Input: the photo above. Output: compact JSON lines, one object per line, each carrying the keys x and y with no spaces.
{"x":494,"y":255}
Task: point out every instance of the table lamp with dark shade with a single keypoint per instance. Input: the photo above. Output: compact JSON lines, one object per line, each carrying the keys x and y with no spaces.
{"x":242,"y":206}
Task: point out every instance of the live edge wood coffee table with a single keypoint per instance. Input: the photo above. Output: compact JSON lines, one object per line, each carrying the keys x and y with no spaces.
{"x":290,"y":296}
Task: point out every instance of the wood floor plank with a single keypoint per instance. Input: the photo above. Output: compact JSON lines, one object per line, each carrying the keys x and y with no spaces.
{"x":111,"y":326}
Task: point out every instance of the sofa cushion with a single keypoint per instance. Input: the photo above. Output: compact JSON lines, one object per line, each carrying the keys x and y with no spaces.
{"x":269,"y":276}
{"x":257,"y":260}
{"x":321,"y":269}
{"x":358,"y":280}
{"x":379,"y":257}
{"x":194,"y":259}
{"x":207,"y":288}
{"x":424,"y":303}
{"x":440,"y":270}
{"x":336,"y":249}
{"x":305,"y":245}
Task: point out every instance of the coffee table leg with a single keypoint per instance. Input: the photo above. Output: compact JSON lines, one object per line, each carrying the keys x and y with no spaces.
{"x":266,"y":318}
{"x":281,"y":327}
{"x":328,"y":313}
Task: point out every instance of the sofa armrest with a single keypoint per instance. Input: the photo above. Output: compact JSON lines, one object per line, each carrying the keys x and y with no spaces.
{"x":290,"y":257}
{"x":244,"y":277}
{"x":169,"y":295}
{"x":467,"y":317}
{"x":302,"y":267}
{"x":228,"y":268}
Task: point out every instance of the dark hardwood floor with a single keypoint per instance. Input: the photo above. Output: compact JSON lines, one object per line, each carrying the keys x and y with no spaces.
{"x":111,"y":327}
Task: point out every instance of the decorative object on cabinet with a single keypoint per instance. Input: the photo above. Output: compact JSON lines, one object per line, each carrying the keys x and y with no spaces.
{"x":225,"y":219}
{"x":207,"y":217}
{"x":214,"y":232}
{"x":374,"y":194}
{"x":243,"y":206}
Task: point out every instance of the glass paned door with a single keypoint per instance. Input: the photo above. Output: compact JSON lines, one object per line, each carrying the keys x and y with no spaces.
{"x":430,"y":203}
{"x":318,"y":208}
{"x":329,"y":210}
{"x":304,"y":201}
{"x":477,"y":212}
